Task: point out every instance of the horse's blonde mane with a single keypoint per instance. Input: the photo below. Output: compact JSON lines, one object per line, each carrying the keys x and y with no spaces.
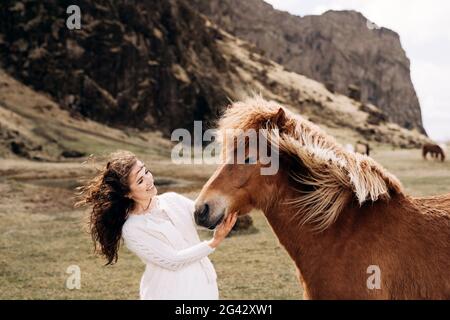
{"x":335,"y":174}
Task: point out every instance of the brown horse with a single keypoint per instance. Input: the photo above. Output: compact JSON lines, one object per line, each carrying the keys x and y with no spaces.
{"x":338,"y":214}
{"x":362,"y":147}
{"x":435,"y":151}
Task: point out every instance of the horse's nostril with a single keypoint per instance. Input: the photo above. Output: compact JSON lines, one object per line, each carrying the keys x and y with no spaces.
{"x":205,"y":211}
{"x":202,"y":213}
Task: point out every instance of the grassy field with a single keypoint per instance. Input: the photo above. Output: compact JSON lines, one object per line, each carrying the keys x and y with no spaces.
{"x":41,"y":235}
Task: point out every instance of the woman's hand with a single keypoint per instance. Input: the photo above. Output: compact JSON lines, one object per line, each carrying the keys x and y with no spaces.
{"x":223,"y":229}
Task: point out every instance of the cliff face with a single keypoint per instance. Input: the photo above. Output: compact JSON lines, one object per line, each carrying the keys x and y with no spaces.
{"x":337,"y":47}
{"x":157,"y":65}
{"x":145,"y":64}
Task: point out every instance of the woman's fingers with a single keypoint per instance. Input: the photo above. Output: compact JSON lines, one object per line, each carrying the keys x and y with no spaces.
{"x":231,"y":220}
{"x":224,"y":228}
{"x":228,"y":223}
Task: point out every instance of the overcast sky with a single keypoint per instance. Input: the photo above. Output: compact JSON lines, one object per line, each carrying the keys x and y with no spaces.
{"x":424,"y":29}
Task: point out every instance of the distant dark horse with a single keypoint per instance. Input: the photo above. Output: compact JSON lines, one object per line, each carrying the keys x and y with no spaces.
{"x":362,"y":147}
{"x":434,"y":150}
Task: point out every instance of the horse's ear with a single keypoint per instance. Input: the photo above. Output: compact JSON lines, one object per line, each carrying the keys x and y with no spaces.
{"x":280,"y":118}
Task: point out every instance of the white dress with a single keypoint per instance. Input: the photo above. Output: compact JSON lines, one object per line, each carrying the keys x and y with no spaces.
{"x":166,"y":240}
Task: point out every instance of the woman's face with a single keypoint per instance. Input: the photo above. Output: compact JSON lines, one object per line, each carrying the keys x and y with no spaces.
{"x":141,"y":182}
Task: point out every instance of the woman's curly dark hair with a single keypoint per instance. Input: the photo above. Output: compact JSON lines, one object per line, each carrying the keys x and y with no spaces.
{"x":107,"y":194}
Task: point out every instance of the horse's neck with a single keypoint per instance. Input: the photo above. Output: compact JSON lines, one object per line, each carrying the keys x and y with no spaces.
{"x":314,"y":253}
{"x":306,"y":248}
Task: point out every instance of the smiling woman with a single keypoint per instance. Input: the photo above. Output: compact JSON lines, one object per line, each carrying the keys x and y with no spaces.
{"x":159,"y":229}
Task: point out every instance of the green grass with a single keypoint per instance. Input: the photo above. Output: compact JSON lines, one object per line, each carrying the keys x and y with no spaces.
{"x":39,"y":242}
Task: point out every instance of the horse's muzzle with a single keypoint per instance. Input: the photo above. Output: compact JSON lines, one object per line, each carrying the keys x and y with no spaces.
{"x":204,"y":218}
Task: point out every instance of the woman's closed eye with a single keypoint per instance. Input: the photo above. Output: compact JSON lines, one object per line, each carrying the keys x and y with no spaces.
{"x":140,"y":179}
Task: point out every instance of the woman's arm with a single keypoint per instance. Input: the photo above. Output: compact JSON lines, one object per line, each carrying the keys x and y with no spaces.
{"x":188,"y":204}
{"x":151,"y":249}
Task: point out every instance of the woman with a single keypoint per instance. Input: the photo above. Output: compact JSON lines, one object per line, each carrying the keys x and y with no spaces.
{"x":159,"y":229}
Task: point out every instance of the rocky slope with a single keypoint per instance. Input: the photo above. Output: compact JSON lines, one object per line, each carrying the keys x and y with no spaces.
{"x":152,"y":65}
{"x":340,"y":48}
{"x":135,"y":63}
{"x":33,"y":126}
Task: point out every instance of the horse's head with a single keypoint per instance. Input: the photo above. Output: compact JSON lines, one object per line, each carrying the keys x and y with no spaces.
{"x":233,"y":187}
{"x":317,"y":176}
{"x":242,"y":182}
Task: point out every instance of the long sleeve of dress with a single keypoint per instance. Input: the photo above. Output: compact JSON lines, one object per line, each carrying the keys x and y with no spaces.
{"x":151,"y":249}
{"x":187,"y":203}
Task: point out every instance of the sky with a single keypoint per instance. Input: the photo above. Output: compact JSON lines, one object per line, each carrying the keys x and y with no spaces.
{"x":424,"y":29}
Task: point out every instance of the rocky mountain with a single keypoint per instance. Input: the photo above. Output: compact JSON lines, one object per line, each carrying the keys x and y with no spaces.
{"x":156,"y":65}
{"x":338,"y":48}
{"x":143,"y":64}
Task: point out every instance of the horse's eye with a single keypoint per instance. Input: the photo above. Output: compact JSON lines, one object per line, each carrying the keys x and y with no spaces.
{"x":250,"y":160}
